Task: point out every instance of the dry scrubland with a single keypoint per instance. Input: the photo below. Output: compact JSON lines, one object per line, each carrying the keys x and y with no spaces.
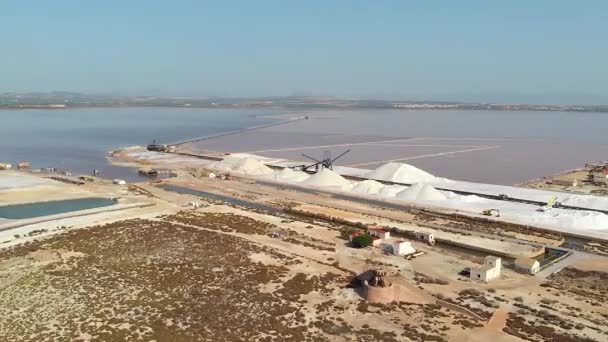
{"x":189,"y":278}
{"x":206,"y":276}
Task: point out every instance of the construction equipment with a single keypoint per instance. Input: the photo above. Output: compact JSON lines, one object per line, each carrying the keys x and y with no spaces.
{"x":491,"y":212}
{"x":160,"y":147}
{"x":327,"y":161}
{"x":550,"y":205}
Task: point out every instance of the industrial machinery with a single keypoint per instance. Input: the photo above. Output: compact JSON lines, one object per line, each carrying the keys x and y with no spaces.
{"x":327,"y":161}
{"x":160,"y":147}
{"x":597,"y":173}
{"x":491,"y":212}
{"x":550,"y":205}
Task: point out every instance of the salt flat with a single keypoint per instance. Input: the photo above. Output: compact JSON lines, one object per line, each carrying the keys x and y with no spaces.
{"x":10,"y":180}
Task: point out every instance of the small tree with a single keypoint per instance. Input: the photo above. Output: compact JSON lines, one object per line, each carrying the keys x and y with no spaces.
{"x":346,"y":231}
{"x":363,"y":240}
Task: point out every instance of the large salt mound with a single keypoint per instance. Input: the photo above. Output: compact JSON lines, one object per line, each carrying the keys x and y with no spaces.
{"x":289,"y":175}
{"x":390,"y":191}
{"x":248,"y":166}
{"x":367,"y":187}
{"x":411,"y":193}
{"x":401,"y":173}
{"x":421,"y":192}
{"x":328,"y":178}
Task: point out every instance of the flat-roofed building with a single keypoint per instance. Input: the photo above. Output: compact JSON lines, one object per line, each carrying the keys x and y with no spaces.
{"x":489,"y":271}
{"x":527,"y":265}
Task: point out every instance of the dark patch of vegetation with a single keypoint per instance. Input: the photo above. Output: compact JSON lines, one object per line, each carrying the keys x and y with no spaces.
{"x":362,"y":241}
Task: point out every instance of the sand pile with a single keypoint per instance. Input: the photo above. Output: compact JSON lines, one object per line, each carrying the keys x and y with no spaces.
{"x":421,"y":192}
{"x":367,"y":187}
{"x":289,"y":175}
{"x":400,"y":173}
{"x":327,"y":178}
{"x":248,"y":166}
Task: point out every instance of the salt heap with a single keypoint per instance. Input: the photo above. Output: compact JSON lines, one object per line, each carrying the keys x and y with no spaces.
{"x":400,"y":173}
{"x":289,"y":175}
{"x":367,"y":187}
{"x":390,"y":191}
{"x":248,"y":166}
{"x":421,"y":192}
{"x":327,"y":178}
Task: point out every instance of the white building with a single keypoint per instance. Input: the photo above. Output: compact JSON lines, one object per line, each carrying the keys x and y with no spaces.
{"x":489,"y":271}
{"x":527,"y":265}
{"x":401,"y":247}
{"x":426,"y":237}
{"x":383,"y":234}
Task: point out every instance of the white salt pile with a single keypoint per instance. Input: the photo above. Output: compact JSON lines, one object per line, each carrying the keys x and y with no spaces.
{"x":390,"y":191}
{"x":289,"y":175}
{"x":400,"y":173}
{"x":421,"y":192}
{"x":266,"y":160}
{"x":248,"y":166}
{"x":411,"y":193}
{"x":327,"y":178}
{"x":367,"y":187}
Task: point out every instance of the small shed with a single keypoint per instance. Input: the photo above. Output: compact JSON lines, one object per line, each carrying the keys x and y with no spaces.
{"x":383,"y":234}
{"x":527,"y":265}
{"x":401,"y":247}
{"x":426,"y":237}
{"x":376,"y":242}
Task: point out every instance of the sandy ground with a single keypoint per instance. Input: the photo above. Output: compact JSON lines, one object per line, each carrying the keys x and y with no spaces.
{"x":171,"y":273}
{"x":600,"y":265}
{"x":498,"y":246}
{"x":292,"y":277}
{"x":36,"y":188}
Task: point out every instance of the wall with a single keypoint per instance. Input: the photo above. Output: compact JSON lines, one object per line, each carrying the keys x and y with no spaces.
{"x":378,"y":294}
{"x":458,"y":308}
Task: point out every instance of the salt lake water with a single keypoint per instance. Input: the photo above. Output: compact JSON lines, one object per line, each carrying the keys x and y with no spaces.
{"x":31,"y":210}
{"x":79,"y":139}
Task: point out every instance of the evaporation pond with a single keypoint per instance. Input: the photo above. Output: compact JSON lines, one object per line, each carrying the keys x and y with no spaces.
{"x":37,"y":209}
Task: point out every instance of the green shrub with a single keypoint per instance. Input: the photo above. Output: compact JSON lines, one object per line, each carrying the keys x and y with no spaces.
{"x":363,"y":240}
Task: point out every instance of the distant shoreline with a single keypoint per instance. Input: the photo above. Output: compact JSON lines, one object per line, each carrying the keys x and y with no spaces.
{"x":497,"y":108}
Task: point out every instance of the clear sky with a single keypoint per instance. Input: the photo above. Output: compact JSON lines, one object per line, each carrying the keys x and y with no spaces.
{"x":528,"y":51}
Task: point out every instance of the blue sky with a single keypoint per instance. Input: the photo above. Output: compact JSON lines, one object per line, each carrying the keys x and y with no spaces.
{"x":528,"y":51}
